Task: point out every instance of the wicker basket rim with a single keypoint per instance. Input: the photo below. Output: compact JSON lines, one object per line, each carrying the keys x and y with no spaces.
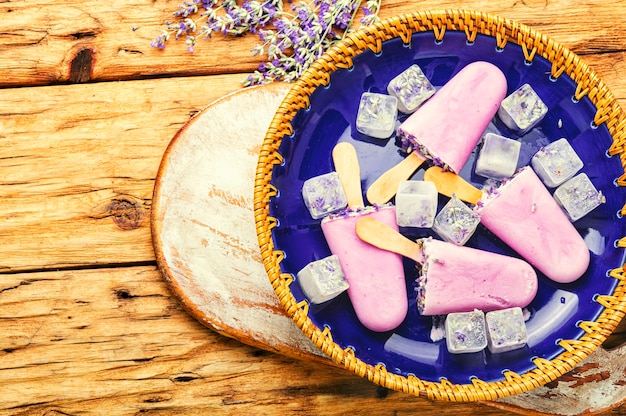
{"x":472,"y":23}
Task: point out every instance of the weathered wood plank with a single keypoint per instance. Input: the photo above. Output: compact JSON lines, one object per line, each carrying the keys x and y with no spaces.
{"x":49,"y":42}
{"x":203,"y":226}
{"x":114,"y":341}
{"x":78,"y":165}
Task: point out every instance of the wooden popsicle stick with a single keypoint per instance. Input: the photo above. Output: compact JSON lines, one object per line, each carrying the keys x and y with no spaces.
{"x":449,"y":183}
{"x":384,"y":237}
{"x":347,"y":167}
{"x":385,"y":187}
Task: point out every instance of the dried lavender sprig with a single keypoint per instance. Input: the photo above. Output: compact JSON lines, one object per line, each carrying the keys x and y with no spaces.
{"x":293,"y":42}
{"x":370,"y":12}
{"x":317,"y":34}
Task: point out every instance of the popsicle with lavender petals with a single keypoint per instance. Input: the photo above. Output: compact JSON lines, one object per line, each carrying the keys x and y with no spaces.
{"x":456,"y":278}
{"x":376,"y":277}
{"x":523,"y":214}
{"x":447,"y":127}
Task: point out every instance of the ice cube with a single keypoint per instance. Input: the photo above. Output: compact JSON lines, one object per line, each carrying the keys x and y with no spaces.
{"x":465,"y":332}
{"x":498,"y":157}
{"x":578,"y":197}
{"x":522,"y":109}
{"x":456,"y":222}
{"x":377,"y":115}
{"x":506,"y":330}
{"x":324,"y":195}
{"x":416,"y":204}
{"x":556,"y":163}
{"x":411,"y":88}
{"x":322,"y":280}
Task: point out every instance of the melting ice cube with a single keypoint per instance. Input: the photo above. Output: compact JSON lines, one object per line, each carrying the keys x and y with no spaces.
{"x":322,"y":280}
{"x":556,"y":163}
{"x":498,"y":157}
{"x":416,"y":204}
{"x":578,"y":197}
{"x":377,"y":115}
{"x":506,"y":330}
{"x":456,"y":222}
{"x":411,"y":88}
{"x":465,"y":332}
{"x":324,"y":195}
{"x":522,"y":110}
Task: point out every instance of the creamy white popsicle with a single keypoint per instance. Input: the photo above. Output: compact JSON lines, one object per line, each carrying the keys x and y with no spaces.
{"x":376,"y":277}
{"x":524,"y":215}
{"x":447,"y":127}
{"x":457,"y":278}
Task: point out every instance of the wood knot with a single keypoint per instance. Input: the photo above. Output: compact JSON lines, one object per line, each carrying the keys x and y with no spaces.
{"x":185,"y":378}
{"x":126,"y":214}
{"x":123,"y":294}
{"x":81,"y":66}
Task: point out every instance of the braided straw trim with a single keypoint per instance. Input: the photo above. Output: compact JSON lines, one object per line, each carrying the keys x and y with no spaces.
{"x":371,"y":38}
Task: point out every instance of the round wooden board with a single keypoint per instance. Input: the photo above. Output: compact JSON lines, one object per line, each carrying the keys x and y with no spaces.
{"x":203,"y":225}
{"x":206,"y":246}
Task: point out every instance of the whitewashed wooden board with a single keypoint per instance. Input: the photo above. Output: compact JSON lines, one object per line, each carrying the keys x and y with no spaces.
{"x":206,"y":247}
{"x":203,"y":225}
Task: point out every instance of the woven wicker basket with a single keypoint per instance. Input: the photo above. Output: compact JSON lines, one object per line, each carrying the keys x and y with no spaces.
{"x":371,"y":38}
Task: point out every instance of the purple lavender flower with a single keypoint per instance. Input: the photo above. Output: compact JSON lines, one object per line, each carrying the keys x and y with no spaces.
{"x":207,"y":4}
{"x":159,"y":41}
{"x":300,"y":57}
{"x":190,"y":42}
{"x":289,"y":41}
{"x":344,"y":19}
{"x":187,"y":8}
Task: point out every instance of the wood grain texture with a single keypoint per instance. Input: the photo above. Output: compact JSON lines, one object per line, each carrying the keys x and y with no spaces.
{"x":79,"y":163}
{"x":48,"y":41}
{"x":89,"y":324}
{"x":114,"y":341}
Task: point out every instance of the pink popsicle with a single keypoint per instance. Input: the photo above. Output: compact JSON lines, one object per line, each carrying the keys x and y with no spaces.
{"x":457,"y":278}
{"x":377,"y":284}
{"x":447,"y":127}
{"x":524,"y":215}
{"x":461,"y":279}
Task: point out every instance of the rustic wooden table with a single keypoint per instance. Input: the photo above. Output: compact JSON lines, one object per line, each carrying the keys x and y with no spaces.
{"x":87,"y":110}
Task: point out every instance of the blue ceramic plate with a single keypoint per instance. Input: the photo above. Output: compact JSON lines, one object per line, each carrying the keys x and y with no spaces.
{"x":557,"y":308}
